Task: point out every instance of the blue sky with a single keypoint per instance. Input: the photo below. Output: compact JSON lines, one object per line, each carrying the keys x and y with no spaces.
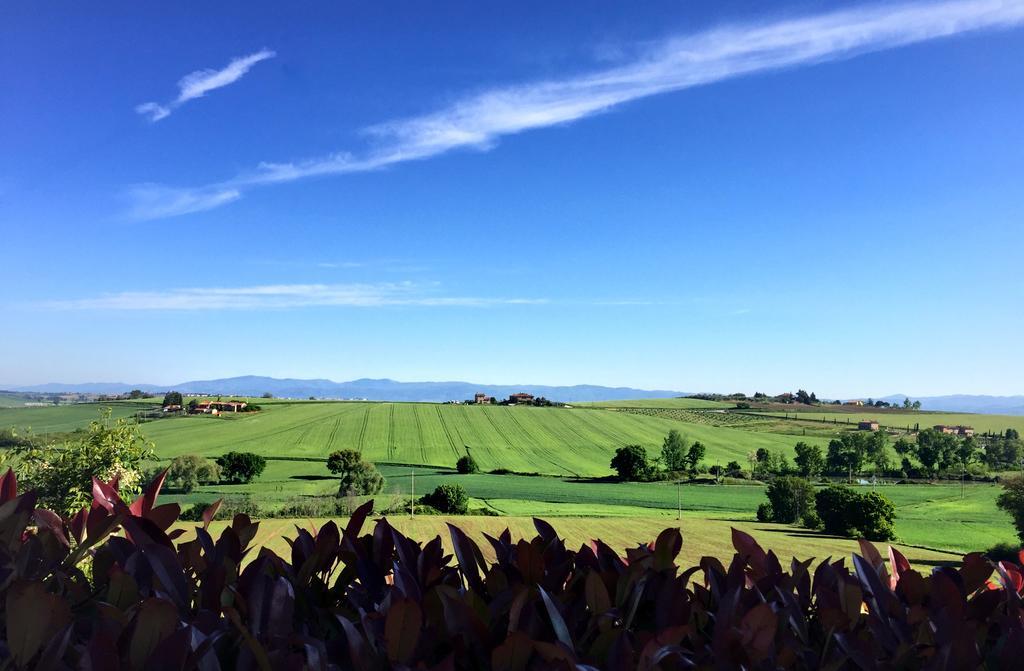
{"x":695,"y":197}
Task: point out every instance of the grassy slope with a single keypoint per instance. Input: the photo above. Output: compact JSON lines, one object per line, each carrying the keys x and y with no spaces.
{"x":701,"y":537}
{"x":546,"y":440}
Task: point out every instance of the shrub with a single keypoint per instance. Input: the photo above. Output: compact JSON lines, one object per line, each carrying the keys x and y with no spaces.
{"x":765,"y":513}
{"x":190,"y":470}
{"x":241,"y":467}
{"x":790,"y":498}
{"x":1004,"y":552}
{"x":466,"y":465}
{"x":844,"y":512}
{"x":449,"y":499}
{"x":631,"y":463}
{"x":810,"y":520}
{"x":358,"y":477}
{"x":61,"y":474}
{"x":227,"y":508}
{"x":153,"y":597}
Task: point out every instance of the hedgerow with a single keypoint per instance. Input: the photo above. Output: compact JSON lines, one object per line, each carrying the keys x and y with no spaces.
{"x":114,"y":586}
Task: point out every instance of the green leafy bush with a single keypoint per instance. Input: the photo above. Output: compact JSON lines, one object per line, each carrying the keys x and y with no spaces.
{"x":447,"y":498}
{"x":61,"y":473}
{"x":844,"y":512}
{"x":241,"y":467}
{"x":765,"y":512}
{"x":466,"y":465}
{"x":810,"y":520}
{"x":191,"y":470}
{"x":631,"y":463}
{"x":790,"y":498}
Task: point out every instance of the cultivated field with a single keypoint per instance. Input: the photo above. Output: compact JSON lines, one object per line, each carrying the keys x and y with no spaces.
{"x":545,"y":440}
{"x":571,"y":448}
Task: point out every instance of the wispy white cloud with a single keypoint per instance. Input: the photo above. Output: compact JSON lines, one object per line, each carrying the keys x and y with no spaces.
{"x":199,"y":83}
{"x":478,"y":121}
{"x":283,"y":296}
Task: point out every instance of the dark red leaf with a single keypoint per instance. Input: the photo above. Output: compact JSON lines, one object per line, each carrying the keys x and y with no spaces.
{"x":142,"y":505}
{"x":8,"y":486}
{"x":210,"y":512}
{"x":402,"y":630}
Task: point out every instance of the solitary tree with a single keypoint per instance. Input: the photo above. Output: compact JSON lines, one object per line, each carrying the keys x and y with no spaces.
{"x":695,"y":455}
{"x":631,"y":463}
{"x":241,"y":467}
{"x":467,"y":464}
{"x":190,"y":470}
{"x":357,"y":476}
{"x":790,"y":498}
{"x":172,"y":398}
{"x":809,"y":460}
{"x":673,"y":451}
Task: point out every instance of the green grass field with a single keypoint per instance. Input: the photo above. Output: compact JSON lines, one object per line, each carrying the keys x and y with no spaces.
{"x":545,"y":440}
{"x":63,"y":418}
{"x":931,"y":516}
{"x":571,"y":446}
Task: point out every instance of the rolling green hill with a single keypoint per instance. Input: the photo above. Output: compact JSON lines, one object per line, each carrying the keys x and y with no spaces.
{"x":544,"y":440}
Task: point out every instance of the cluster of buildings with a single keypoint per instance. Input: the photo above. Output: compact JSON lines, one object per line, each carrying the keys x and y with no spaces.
{"x":521,"y":398}
{"x":962,"y":431}
{"x":959,"y":430}
{"x":210,"y":407}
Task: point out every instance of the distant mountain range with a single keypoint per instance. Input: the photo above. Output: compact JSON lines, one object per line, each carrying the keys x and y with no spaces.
{"x":392,"y":390}
{"x":369,"y":389}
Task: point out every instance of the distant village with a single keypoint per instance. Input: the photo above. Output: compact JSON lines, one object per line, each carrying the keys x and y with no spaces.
{"x":522,"y":398}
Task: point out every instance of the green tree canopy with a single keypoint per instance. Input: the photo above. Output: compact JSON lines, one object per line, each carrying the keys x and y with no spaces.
{"x":241,"y":467}
{"x":809,"y":460}
{"x":631,"y":463}
{"x":357,"y":476}
{"x":695,"y":455}
{"x":188,"y":471}
{"x":172,"y":398}
{"x":673,"y":451}
{"x":790,"y":498}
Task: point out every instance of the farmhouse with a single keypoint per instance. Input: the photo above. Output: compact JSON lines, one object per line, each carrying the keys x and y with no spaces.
{"x":516,"y":399}
{"x":217,"y":407}
{"x":869,"y":425}
{"x":856,"y":402}
{"x":481,"y":398}
{"x":965,"y":431}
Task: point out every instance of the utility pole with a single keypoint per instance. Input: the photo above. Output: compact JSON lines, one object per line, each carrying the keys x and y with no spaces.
{"x":412,"y":503}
